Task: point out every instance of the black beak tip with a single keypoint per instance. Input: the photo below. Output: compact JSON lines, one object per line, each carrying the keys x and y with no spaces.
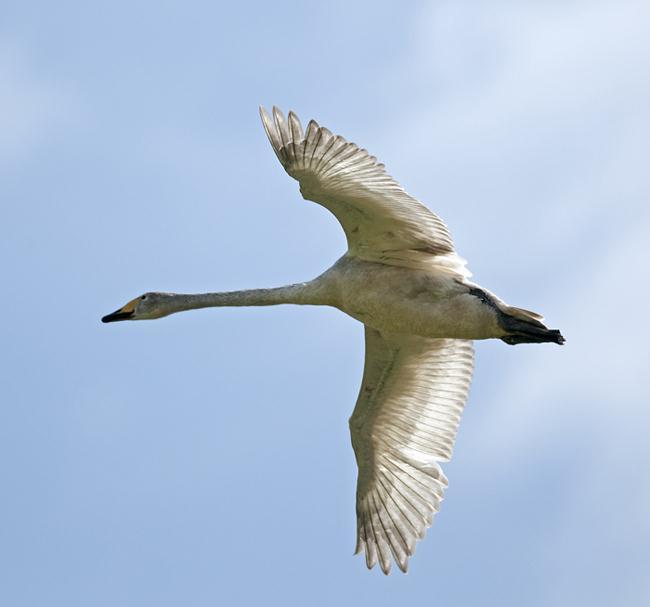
{"x":118,"y":315}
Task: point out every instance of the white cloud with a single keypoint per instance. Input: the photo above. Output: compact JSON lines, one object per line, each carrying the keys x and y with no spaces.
{"x":578,"y":70}
{"x":529,"y":103}
{"x":596,"y":383}
{"x":563,"y":83}
{"x":540,"y":112}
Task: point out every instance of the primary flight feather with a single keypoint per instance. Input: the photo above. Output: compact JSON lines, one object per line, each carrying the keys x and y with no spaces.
{"x":402,"y":278}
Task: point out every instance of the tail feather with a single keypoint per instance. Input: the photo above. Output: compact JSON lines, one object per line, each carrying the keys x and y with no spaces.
{"x":529,"y":331}
{"x":521,"y":326}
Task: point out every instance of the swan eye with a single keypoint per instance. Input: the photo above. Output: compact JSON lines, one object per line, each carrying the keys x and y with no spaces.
{"x":144,"y":297}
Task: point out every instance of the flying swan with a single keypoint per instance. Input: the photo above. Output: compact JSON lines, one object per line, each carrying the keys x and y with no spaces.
{"x":401,"y":278}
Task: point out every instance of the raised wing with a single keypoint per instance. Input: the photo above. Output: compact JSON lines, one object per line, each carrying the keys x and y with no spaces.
{"x":405,"y":422}
{"x":381,"y":221}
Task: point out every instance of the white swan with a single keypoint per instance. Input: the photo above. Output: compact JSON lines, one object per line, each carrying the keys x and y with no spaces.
{"x":402,"y":278}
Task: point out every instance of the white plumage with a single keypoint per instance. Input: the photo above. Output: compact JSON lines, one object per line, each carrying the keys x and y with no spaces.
{"x":402,"y":278}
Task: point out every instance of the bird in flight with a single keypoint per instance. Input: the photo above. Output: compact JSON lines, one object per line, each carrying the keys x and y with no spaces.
{"x":400,"y":277}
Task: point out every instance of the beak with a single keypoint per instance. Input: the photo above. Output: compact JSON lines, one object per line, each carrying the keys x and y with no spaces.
{"x":118,"y":315}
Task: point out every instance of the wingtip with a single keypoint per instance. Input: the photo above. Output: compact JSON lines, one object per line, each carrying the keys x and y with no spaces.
{"x":359,"y":546}
{"x":403,"y":565}
{"x":277,"y":113}
{"x":265,"y":116}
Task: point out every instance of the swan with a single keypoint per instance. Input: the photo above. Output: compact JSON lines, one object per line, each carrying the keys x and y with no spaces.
{"x":401,"y":278}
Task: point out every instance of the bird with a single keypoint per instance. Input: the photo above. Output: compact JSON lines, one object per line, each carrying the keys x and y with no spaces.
{"x":402,"y":278}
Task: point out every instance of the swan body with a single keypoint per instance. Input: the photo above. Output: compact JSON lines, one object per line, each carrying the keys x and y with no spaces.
{"x":401,"y":278}
{"x":410,"y":301}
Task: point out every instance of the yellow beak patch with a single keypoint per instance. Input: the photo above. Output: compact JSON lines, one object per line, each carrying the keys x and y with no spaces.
{"x":130,"y":307}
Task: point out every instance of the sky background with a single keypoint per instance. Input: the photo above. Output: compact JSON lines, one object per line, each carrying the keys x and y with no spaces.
{"x":204,"y":459}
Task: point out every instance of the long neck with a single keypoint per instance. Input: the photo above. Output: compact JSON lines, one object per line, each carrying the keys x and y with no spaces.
{"x":301,"y":293}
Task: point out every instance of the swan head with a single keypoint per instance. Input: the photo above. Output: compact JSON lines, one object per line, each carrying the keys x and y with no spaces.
{"x":145,"y":307}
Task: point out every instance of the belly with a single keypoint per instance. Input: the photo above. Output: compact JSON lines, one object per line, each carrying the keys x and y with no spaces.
{"x":415,"y":302}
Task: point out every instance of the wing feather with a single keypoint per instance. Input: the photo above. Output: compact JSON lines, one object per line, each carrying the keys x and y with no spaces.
{"x":403,"y":425}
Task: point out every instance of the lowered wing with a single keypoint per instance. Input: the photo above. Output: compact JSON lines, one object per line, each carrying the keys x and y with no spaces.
{"x":404,"y":423}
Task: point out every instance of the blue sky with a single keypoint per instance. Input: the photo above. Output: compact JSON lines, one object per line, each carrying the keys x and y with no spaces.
{"x":204,"y":459}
